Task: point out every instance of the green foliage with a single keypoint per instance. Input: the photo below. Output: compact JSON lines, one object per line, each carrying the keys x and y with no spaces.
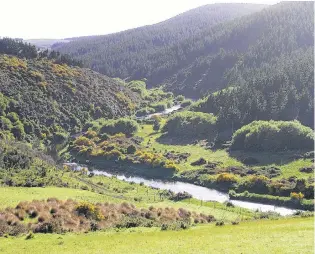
{"x":273,"y":136}
{"x":122,"y":125}
{"x":194,"y":124}
{"x":160,"y":106}
{"x":145,"y":111}
{"x":22,"y":165}
{"x":35,"y":93}
{"x":154,"y":52}
{"x":5,"y":123}
{"x":89,"y":210}
{"x":180,"y":98}
{"x":186,"y":103}
{"x":131,"y":149}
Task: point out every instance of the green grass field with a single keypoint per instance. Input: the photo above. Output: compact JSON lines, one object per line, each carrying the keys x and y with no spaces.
{"x":11,"y":196}
{"x":288,"y":166}
{"x":295,"y":235}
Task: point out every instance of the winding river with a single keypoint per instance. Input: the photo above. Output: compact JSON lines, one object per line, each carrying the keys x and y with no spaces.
{"x":199,"y":192}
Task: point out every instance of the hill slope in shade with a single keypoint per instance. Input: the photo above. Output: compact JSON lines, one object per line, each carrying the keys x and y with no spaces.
{"x":140,"y":52}
{"x":202,"y":50}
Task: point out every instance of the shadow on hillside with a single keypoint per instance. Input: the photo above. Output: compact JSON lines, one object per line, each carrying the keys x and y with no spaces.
{"x":266,"y":158}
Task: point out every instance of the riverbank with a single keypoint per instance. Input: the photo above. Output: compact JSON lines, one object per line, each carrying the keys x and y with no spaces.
{"x":303,"y":204}
{"x":198,"y":192}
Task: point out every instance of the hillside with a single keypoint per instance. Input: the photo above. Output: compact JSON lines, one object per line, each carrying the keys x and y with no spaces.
{"x":213,"y":56}
{"x":140,"y":53}
{"x":40,"y":96}
{"x":235,"y":52}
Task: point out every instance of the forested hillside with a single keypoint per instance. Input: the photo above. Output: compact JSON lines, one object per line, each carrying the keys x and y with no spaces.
{"x":282,"y":90}
{"x":234,"y":52}
{"x":143,"y":52}
{"x":40,"y":97}
{"x":207,"y":56}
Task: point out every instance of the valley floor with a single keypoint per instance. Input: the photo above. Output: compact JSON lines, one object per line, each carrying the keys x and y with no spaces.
{"x":294,"y":235}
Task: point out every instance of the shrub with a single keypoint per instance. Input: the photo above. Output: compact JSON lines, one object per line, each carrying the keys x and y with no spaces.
{"x":179,"y":98}
{"x":195,"y":124}
{"x":158,"y":107}
{"x":122,"y":125}
{"x":199,"y":162}
{"x":219,"y":223}
{"x":29,"y":236}
{"x":297,"y":196}
{"x":145,"y":111}
{"x":83,"y":141}
{"x":131,"y":149}
{"x":60,"y":137}
{"x":89,"y":210}
{"x":226,"y":178}
{"x":273,"y":136}
{"x":186,"y":103}
{"x":18,"y":131}
{"x":5,"y":123}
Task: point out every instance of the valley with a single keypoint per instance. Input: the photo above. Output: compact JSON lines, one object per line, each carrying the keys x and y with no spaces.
{"x":192,"y":135}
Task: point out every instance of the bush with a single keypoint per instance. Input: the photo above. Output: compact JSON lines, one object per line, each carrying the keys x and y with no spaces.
{"x":122,"y":125}
{"x":297,"y":196}
{"x":219,"y":223}
{"x":158,"y":107}
{"x":131,"y":149}
{"x":145,"y":111}
{"x":29,"y":236}
{"x":199,"y":162}
{"x":5,"y":123}
{"x":89,"y":210}
{"x":226,"y":178}
{"x":273,"y":136}
{"x":186,"y":103}
{"x":180,"y":98}
{"x":194,"y":124}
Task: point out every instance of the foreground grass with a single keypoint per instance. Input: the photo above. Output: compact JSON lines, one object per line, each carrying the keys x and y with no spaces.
{"x":293,"y":235}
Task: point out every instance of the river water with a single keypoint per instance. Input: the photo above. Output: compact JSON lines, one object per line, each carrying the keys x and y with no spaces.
{"x":199,"y":192}
{"x":165,"y":112}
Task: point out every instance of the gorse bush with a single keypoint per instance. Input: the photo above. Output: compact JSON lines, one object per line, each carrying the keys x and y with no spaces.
{"x":273,"y":136}
{"x":296,"y":196}
{"x":191,"y":124}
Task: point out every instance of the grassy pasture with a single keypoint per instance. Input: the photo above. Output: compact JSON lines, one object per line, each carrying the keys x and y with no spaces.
{"x":294,"y":235}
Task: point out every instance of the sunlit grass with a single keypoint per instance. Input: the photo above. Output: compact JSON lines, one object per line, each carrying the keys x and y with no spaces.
{"x":294,"y":235}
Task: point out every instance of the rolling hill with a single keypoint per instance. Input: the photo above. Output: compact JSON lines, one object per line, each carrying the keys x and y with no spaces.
{"x":141,"y":52}
{"x":40,"y":96}
{"x":205,"y":49}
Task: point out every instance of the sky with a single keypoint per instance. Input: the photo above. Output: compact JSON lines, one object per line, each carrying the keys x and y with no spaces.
{"x":33,"y":19}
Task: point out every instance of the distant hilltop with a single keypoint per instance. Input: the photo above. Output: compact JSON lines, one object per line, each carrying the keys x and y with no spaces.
{"x":45,"y":43}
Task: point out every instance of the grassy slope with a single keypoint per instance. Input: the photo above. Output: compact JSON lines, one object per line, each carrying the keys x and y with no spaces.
{"x":288,"y":168}
{"x":11,"y":196}
{"x":266,"y":236}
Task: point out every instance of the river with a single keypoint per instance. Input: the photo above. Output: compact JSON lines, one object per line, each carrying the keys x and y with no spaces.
{"x":199,"y":192}
{"x":165,"y":112}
